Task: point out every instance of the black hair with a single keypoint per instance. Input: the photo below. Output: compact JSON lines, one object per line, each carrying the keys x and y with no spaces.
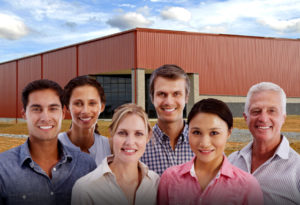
{"x":212,"y":106}
{"x":42,"y":84}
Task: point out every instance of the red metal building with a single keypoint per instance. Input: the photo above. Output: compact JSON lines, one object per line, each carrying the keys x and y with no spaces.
{"x":227,"y":65}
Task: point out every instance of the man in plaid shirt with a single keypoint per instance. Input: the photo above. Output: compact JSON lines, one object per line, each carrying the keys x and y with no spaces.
{"x":169,"y":146}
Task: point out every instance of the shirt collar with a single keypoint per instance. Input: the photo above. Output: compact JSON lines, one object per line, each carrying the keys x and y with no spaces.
{"x":282,"y":150}
{"x":225,"y":170}
{"x":25,"y":156}
{"x":105,"y":169}
{"x":160,"y":136}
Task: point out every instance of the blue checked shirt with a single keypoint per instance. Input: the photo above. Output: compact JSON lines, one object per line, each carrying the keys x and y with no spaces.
{"x":159,"y":154}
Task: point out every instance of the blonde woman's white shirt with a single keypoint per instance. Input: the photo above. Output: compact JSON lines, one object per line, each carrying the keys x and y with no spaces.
{"x":101,"y":187}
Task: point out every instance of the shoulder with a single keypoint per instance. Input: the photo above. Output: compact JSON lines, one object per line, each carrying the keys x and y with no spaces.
{"x":233,"y":156}
{"x":79,"y":156}
{"x":101,"y":138}
{"x":175,"y":170}
{"x":10,"y":155}
{"x":243,"y":178}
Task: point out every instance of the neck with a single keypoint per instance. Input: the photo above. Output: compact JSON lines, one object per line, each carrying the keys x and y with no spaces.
{"x":205,"y":172}
{"x":210,"y":167}
{"x":172,"y":130}
{"x":83,"y":138}
{"x":44,"y":153}
{"x":262,"y":151}
{"x":126,"y":171}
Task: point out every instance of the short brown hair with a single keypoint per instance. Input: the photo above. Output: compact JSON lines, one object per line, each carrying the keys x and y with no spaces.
{"x":124,"y":110}
{"x":169,"y":71}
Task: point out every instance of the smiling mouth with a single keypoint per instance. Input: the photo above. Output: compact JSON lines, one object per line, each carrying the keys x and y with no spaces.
{"x":168,"y":109}
{"x":129,"y":150}
{"x":264,"y":127}
{"x":205,"y":151}
{"x":86,"y":119}
{"x":46,"y":127}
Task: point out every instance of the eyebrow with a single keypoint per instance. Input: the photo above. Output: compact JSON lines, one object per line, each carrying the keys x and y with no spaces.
{"x":213,"y":128}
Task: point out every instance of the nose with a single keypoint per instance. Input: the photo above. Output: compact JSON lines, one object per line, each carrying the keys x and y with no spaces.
{"x":85,"y":108}
{"x":129,"y":140}
{"x":45,"y":115}
{"x":263,"y":116}
{"x":205,"y":141}
{"x":168,"y":100}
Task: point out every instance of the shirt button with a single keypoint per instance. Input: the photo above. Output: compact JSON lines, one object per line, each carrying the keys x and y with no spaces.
{"x":24,"y":196}
{"x":54,"y":169}
{"x":51,"y":193}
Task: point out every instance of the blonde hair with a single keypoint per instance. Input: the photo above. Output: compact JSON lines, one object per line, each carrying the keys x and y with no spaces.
{"x":128,"y":109}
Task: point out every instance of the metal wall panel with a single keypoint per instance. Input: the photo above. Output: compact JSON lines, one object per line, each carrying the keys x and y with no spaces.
{"x":8,"y":90}
{"x":29,"y":69}
{"x":60,"y":65}
{"x":107,"y":54}
{"x":227,"y":65}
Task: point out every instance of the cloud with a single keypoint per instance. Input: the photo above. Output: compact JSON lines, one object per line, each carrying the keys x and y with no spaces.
{"x":127,"y":5}
{"x":58,"y":10}
{"x":285,"y":26}
{"x":129,"y":20}
{"x":176,"y":13}
{"x":12,"y":27}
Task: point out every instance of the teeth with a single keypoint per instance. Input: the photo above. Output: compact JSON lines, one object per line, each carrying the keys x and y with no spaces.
{"x":129,"y":150}
{"x":263,"y":128}
{"x":45,"y":127}
{"x":169,"y":110}
{"x":86,"y":119}
{"x":206,"y":151}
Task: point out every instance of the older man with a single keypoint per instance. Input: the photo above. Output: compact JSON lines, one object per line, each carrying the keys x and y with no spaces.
{"x":269,"y":157}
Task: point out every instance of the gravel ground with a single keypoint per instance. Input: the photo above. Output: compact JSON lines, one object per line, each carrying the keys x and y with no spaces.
{"x":237,"y":135}
{"x":245,"y":136}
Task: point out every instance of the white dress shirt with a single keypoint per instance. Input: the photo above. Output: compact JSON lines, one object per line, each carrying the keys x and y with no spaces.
{"x":100,"y":187}
{"x":279,"y":176}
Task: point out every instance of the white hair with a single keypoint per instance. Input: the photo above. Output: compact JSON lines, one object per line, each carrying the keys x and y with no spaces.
{"x":265,"y":86}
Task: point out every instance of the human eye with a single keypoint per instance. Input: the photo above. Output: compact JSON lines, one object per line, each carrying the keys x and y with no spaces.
{"x":139,"y":134}
{"x":77,"y":103}
{"x":255,"y":111}
{"x":122,"y":133}
{"x":213,"y":133}
{"x":272,"y":110}
{"x":54,"y":108}
{"x":176,"y":94}
{"x":36,"y":109}
{"x":196,"y":132}
{"x":161,"y":94}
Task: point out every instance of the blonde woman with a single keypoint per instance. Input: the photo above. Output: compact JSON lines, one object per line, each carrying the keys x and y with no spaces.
{"x":121,"y":178}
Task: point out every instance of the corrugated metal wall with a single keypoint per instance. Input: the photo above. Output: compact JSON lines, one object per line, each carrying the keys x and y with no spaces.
{"x":60,"y":65}
{"x":107,"y":55}
{"x":29,"y":69}
{"x":8,"y":90}
{"x":227,"y":65}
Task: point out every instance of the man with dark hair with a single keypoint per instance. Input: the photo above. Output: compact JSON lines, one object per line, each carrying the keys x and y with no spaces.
{"x":169,"y":146}
{"x":42,"y":170}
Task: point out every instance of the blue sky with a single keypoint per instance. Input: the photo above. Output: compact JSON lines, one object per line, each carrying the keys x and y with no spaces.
{"x":32,"y":26}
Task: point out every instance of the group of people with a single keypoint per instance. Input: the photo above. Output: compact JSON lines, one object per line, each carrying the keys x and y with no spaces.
{"x":175,"y":162}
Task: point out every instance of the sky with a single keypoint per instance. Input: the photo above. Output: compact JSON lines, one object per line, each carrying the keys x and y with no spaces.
{"x":28,"y":27}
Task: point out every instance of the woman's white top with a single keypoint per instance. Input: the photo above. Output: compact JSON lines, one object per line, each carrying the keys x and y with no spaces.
{"x":101,"y":187}
{"x":98,"y":151}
